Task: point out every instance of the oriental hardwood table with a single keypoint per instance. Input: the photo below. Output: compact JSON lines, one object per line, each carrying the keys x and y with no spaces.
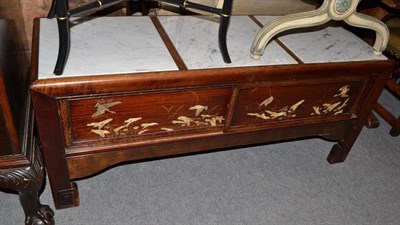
{"x":160,"y":88}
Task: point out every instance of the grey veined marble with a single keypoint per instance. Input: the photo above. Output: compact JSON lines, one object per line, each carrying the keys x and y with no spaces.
{"x":196,"y":40}
{"x":105,"y":45}
{"x":118,"y":45}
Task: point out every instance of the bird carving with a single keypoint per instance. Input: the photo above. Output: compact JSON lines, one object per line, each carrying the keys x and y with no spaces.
{"x":343,"y":92}
{"x":199,"y":109}
{"x":99,"y":125}
{"x":267,"y":101}
{"x":103,"y":108}
{"x":102,"y":133}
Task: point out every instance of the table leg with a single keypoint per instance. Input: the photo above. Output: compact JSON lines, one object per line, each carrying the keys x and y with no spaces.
{"x":340,"y":150}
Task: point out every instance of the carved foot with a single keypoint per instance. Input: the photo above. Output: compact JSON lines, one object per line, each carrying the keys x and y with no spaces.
{"x":372,"y":121}
{"x":35,"y":213}
{"x":67,"y":198}
{"x":337,"y":154}
{"x":27,"y":181}
{"x":44,"y":216}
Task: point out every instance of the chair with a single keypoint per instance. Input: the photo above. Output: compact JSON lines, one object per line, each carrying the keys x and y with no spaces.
{"x":59,"y":10}
{"x":338,"y":10}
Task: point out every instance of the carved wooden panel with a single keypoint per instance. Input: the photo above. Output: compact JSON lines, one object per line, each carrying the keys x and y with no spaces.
{"x":139,"y":116}
{"x":268,"y":104}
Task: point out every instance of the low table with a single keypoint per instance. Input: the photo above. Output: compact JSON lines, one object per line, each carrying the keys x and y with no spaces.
{"x":148,"y":87}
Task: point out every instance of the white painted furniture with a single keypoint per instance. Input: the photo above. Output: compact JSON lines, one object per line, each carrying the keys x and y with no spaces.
{"x":329,"y":10}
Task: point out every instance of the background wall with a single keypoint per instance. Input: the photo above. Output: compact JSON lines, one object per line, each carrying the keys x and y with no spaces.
{"x":22,"y":12}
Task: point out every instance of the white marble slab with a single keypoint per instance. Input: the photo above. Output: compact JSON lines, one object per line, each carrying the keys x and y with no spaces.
{"x":117,"y":45}
{"x":327,"y":44}
{"x":106,"y":45}
{"x":196,"y":40}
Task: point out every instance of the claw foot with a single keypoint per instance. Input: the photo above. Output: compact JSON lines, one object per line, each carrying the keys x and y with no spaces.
{"x":45,"y":216}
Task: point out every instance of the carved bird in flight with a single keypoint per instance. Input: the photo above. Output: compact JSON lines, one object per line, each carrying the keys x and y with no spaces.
{"x":343,"y":91}
{"x":99,"y":125}
{"x":103,"y":108}
{"x":199,"y":109}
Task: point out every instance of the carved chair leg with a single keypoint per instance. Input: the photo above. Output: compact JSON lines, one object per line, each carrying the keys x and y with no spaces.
{"x":223,"y":29}
{"x":298,"y":20}
{"x":369,"y":22}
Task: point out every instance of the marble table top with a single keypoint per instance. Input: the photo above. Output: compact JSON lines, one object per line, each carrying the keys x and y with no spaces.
{"x":105,"y":45}
{"x":120,"y":45}
{"x":196,"y":39}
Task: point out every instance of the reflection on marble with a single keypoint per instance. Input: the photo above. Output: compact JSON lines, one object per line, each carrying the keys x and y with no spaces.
{"x":106,"y":45}
{"x":325,"y":44}
{"x":196,"y":39}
